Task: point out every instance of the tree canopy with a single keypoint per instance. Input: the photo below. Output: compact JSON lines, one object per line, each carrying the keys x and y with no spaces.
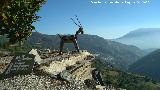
{"x":17,"y":17}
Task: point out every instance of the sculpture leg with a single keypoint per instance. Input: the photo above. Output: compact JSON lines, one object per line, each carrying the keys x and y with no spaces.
{"x":61,"y":46}
{"x":76,"y":45}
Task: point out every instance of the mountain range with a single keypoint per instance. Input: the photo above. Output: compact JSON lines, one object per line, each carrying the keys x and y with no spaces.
{"x":118,"y":55}
{"x":144,"y":38}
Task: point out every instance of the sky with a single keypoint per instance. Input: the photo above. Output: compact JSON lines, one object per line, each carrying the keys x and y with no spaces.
{"x":107,"y":18}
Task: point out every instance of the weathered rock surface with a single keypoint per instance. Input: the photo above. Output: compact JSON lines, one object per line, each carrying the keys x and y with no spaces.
{"x":60,"y":63}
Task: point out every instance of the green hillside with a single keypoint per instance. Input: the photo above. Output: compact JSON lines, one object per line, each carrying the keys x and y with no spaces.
{"x":148,"y":65}
{"x":124,"y":80}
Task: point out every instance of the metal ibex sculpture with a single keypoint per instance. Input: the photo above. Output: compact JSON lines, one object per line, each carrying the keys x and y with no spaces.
{"x":71,"y":38}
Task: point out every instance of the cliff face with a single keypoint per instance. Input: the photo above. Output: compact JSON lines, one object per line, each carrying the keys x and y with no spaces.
{"x":83,"y":72}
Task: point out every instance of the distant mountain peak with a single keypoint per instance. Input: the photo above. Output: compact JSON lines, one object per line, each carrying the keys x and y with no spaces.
{"x":141,"y":32}
{"x":144,"y":38}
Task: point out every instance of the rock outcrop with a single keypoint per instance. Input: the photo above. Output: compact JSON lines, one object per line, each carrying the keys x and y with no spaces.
{"x":69,"y":71}
{"x":75,"y":64}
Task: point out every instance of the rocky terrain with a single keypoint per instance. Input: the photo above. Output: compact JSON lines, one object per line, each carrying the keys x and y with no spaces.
{"x":70,"y":71}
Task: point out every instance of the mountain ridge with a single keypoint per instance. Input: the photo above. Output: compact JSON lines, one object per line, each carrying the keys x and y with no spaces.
{"x":144,"y":38}
{"x":148,"y":65}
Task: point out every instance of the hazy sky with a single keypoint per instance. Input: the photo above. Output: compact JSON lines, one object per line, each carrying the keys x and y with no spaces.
{"x":104,"y":19}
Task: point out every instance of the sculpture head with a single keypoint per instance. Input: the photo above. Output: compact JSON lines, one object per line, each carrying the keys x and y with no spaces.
{"x":81,"y":30}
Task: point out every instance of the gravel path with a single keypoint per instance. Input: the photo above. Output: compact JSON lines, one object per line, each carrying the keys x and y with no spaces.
{"x":34,"y":82}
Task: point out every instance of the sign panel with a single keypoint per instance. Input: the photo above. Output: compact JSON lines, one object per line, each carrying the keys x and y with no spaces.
{"x":22,"y":63}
